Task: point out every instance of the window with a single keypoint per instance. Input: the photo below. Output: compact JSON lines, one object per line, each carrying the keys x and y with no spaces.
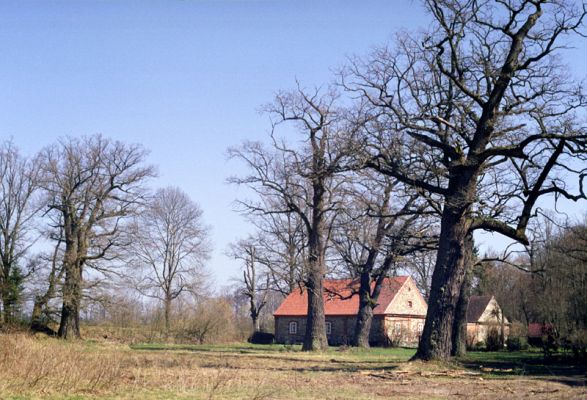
{"x":293,"y":328}
{"x":409,"y":304}
{"x":420,"y":326}
{"x":328,"y":327}
{"x":398,"y":327}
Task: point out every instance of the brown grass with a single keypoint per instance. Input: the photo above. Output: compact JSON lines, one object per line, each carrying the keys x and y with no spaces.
{"x":43,"y":368}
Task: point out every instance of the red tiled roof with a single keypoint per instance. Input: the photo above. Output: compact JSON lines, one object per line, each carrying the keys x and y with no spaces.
{"x":537,"y":330}
{"x":341,"y":297}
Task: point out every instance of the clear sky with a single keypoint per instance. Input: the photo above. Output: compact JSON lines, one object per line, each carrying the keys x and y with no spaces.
{"x":184,"y":78}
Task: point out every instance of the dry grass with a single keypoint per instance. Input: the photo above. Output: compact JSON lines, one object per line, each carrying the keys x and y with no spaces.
{"x":42,"y":368}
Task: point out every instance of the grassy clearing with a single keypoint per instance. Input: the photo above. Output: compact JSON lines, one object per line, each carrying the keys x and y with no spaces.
{"x":42,"y":368}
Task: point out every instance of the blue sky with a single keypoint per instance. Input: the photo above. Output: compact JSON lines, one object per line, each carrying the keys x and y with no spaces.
{"x":184,"y":78}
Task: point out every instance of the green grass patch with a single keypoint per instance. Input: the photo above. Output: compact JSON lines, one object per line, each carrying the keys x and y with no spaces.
{"x":348,"y":353}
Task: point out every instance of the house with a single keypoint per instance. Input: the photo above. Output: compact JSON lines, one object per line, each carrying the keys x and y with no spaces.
{"x":483,"y":314}
{"x":538,"y":334}
{"x":398,"y":317}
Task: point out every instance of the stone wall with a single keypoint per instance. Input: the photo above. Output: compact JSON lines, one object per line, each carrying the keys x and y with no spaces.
{"x":404,"y":331}
{"x":342,"y":330}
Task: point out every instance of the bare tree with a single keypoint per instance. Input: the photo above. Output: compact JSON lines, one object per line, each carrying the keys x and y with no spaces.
{"x":480,"y":116}
{"x":18,"y":185}
{"x":381,"y":224}
{"x":281,"y":247}
{"x":92,"y":184}
{"x":255,"y":283}
{"x":304,"y":180}
{"x":53,"y":261}
{"x":170,"y":246}
{"x":421,"y":266}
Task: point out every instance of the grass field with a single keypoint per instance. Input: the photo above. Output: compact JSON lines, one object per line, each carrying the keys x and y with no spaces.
{"x":44,"y":368}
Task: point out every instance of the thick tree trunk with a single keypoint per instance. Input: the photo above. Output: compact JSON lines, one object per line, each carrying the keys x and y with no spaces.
{"x":459,"y":340}
{"x":365,"y":314}
{"x":449,"y":272}
{"x":315,"y":336}
{"x":69,"y":327}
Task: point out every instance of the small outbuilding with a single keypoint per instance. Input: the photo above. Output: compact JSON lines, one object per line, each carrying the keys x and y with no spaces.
{"x":483,"y":315}
{"x":398,"y":317}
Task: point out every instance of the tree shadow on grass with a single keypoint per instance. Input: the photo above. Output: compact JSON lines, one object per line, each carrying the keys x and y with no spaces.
{"x":560,"y":368}
{"x":324,"y":367}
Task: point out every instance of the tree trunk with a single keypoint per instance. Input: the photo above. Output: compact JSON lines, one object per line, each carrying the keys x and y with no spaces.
{"x":69,"y":326}
{"x":256,"y":324}
{"x":55,"y":276}
{"x":315,"y":335}
{"x":72,"y":292}
{"x":459,"y":333}
{"x":167,"y":311}
{"x":7,"y":311}
{"x":2,"y":319}
{"x":365,"y":314}
{"x":447,"y":279}
{"x":502,"y":326}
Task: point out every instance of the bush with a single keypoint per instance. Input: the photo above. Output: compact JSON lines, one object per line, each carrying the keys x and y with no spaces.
{"x":578,"y":343}
{"x":516,"y":343}
{"x":493,"y":342}
{"x":261,"y":338}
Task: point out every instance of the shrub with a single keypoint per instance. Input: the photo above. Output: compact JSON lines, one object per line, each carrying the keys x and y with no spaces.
{"x":493,"y":342}
{"x":261,"y":338}
{"x":516,"y":343}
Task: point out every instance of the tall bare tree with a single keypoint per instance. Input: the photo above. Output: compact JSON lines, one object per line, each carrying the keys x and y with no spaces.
{"x":381,"y":224}
{"x":304,"y":179}
{"x":481,"y":117}
{"x":281,"y":247}
{"x":256,"y":280}
{"x":92,"y":184}
{"x":19,"y":179}
{"x":170,"y":246}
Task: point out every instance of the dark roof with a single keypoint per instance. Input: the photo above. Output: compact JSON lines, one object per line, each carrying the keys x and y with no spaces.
{"x":340,"y":298}
{"x":477,"y":304}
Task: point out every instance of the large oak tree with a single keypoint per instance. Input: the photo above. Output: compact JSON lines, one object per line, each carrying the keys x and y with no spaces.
{"x":93,"y":184}
{"x":302,"y":177}
{"x":482,"y":118}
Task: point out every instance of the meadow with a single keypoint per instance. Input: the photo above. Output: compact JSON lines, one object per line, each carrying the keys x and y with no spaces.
{"x":39,"y":367}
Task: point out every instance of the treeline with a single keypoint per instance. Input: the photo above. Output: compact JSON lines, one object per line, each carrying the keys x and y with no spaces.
{"x":545,"y":285}
{"x":461,"y":128}
{"x":79,"y":225}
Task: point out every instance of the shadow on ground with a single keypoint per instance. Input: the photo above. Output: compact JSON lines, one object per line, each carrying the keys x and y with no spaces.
{"x":561,"y":368}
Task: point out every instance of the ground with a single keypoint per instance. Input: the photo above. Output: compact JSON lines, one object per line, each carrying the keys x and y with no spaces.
{"x":43,"y":368}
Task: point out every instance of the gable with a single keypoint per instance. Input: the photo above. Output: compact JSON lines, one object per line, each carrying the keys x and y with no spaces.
{"x":491,"y":313}
{"x":484,"y":309}
{"x":408,"y":300}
